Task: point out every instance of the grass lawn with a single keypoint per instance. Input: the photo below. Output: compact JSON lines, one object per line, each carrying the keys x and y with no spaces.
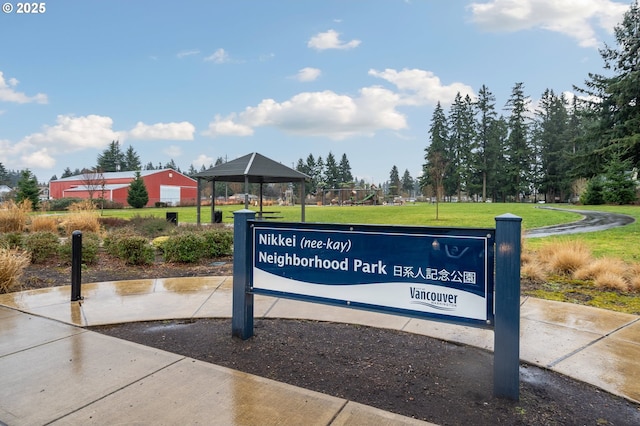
{"x":474,"y":215}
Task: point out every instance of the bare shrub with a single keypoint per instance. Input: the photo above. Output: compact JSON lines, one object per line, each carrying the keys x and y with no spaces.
{"x":44,"y":223}
{"x":565,"y":257}
{"x":12,"y":264}
{"x":13,"y":217}
{"x":82,"y":206}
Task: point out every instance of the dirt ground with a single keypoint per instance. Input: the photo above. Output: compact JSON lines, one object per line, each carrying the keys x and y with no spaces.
{"x":413,"y":375}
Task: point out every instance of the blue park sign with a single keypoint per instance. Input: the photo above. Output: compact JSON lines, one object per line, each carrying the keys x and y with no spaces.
{"x":443,"y":274}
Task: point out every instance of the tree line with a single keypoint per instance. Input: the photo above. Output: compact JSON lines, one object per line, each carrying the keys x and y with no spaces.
{"x":562,"y":148}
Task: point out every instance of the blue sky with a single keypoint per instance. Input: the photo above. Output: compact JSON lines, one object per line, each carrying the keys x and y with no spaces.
{"x":196,"y":80}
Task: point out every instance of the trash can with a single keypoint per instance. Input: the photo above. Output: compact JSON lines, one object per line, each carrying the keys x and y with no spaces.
{"x":172,"y":217}
{"x":217,"y":216}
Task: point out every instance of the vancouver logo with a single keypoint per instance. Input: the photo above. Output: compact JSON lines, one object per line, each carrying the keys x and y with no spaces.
{"x":437,"y":300}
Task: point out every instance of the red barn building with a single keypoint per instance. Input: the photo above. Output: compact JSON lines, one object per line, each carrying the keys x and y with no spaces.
{"x":167,"y":186}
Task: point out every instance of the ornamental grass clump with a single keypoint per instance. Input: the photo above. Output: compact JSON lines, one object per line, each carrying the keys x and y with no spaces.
{"x":13,"y":217}
{"x":565,"y":257}
{"x":12,"y":265}
{"x":44,"y":223}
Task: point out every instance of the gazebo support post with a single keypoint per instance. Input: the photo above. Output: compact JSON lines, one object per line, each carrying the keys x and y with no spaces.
{"x":198,"y":201}
{"x":303,"y":201}
{"x":246,"y":192}
{"x":213,"y":200}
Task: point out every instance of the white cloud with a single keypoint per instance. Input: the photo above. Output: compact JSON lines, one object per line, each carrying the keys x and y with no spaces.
{"x":173,"y":151}
{"x":218,"y":57}
{"x":226,"y":127}
{"x":38,"y":159}
{"x":39,"y":150}
{"x":575,"y":18}
{"x":308,"y":74}
{"x":330,"y":40}
{"x":182,"y":131}
{"x":339,"y":116}
{"x":90,"y":131}
{"x":422,"y":87}
{"x":185,"y":53}
{"x":202,"y":160}
{"x":9,"y":94}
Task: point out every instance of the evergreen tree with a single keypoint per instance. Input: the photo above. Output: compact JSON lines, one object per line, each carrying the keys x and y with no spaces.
{"x":518,"y":149}
{"x":331,"y":173}
{"x":461,"y":135}
{"x":192,"y":170}
{"x":552,"y":143}
{"x":487,"y":146}
{"x":612,"y":101}
{"x":66,"y":173}
{"x":436,"y":161}
{"x":4,"y":176}
{"x":619,"y":187}
{"x":137,"y":196}
{"x":131,"y":160}
{"x":594,"y":194}
{"x":344,"y":170}
{"x":394,"y":181}
{"x":150,"y":166}
{"x":27,"y":189}
{"x":111,"y":159}
{"x":407,"y":182}
{"x":171,"y":165}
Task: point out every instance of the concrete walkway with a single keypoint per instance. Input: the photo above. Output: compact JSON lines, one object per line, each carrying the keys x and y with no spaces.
{"x":53,"y":371}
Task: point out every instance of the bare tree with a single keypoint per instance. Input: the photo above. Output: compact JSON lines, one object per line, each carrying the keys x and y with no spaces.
{"x":93,"y":180}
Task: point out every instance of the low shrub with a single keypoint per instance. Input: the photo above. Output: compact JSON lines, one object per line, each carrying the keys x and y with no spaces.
{"x":62,"y":204}
{"x":90,"y":248}
{"x":12,"y":265}
{"x":113,"y":222}
{"x":126,"y":244}
{"x":218,"y":242}
{"x":188,"y":247}
{"x":44,"y":223}
{"x":151,"y":226}
{"x":42,"y":246}
{"x":159,"y":243}
{"x":12,"y":240}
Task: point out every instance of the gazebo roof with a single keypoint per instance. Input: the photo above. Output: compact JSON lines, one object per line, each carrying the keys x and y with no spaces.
{"x":254,"y":167}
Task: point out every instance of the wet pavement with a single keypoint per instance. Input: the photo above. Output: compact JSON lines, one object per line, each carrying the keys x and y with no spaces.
{"x":54,"y":370}
{"x":592,"y":221}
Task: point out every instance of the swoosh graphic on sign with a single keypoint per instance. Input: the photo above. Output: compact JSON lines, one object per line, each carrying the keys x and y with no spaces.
{"x":434,"y":306}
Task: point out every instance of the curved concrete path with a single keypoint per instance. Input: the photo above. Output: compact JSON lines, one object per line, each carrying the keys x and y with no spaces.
{"x":53,"y":370}
{"x":592,"y":221}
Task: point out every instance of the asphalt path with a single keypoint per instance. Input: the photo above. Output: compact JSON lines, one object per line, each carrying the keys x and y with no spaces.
{"x":592,"y":221}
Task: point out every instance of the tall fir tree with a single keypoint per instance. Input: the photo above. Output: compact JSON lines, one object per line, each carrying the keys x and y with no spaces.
{"x":344,"y":171}
{"x":461,"y":135}
{"x":612,"y":101}
{"x":137,"y":196}
{"x":331,"y":172}
{"x":27,"y":189}
{"x":518,"y":150}
{"x":111,"y":159}
{"x":131,"y":161}
{"x":394,"y":181}
{"x":436,"y":156}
